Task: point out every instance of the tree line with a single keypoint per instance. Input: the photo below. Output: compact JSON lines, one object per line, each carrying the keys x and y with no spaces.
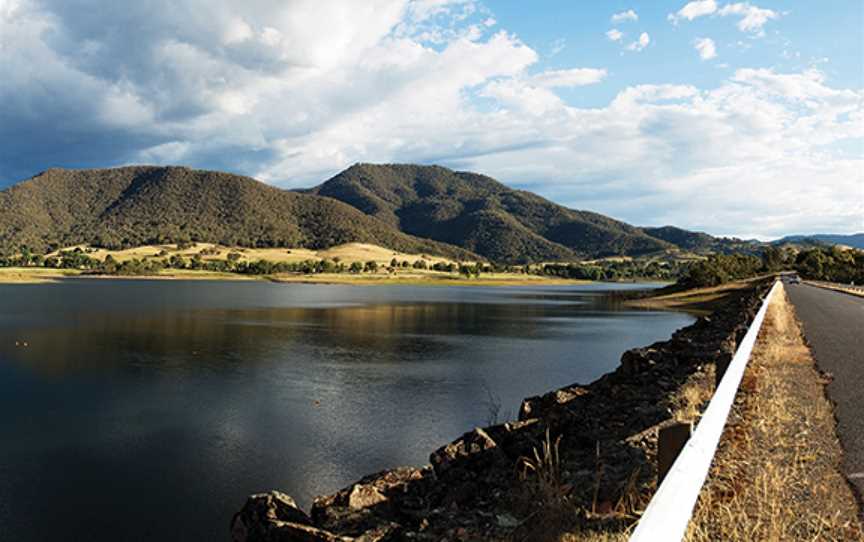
{"x":79,"y":259}
{"x":830,"y":264}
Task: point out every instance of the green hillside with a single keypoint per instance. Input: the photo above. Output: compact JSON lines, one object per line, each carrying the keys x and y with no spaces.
{"x":482,"y":215}
{"x":133,"y":206}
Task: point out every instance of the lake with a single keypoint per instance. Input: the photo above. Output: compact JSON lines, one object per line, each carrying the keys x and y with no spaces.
{"x":149,"y":410}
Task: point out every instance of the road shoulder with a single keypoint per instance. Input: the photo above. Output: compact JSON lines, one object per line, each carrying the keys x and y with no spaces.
{"x":777,"y":473}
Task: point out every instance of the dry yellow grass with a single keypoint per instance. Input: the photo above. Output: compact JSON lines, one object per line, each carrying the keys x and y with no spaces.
{"x":836,"y":288}
{"x":350,"y":252}
{"x":33,"y":275}
{"x":347,"y":254}
{"x":776,"y":475}
{"x":423,"y":278}
{"x":696,"y":299}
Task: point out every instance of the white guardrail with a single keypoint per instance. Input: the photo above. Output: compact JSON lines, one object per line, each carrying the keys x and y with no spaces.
{"x":669,"y":512}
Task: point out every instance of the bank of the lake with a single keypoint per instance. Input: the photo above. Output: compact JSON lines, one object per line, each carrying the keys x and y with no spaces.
{"x":38,"y":275}
{"x":579,"y":463}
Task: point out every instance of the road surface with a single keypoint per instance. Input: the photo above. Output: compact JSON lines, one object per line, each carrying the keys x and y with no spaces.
{"x":834,"y":327}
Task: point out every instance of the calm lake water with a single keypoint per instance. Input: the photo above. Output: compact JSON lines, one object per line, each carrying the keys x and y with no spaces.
{"x":148,"y":410}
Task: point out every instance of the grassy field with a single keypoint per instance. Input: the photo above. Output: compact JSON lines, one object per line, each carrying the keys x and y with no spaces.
{"x":33,"y":275}
{"x":37,"y":275}
{"x":347,"y":253}
{"x":420,"y":278}
{"x":697,"y":300}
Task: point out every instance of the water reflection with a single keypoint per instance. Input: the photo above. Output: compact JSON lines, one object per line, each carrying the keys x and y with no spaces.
{"x":141,"y":408}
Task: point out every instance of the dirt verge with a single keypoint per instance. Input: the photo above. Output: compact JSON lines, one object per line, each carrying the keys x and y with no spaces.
{"x":776,"y":475}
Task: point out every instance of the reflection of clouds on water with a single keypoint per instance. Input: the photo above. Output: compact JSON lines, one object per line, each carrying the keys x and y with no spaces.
{"x":208,"y":393}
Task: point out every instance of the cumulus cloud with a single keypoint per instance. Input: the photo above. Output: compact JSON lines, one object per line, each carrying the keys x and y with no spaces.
{"x":614,"y":34}
{"x":624,"y":16}
{"x":641,"y":43}
{"x":753,"y":18}
{"x":291,"y":93}
{"x":692,"y":10}
{"x":574,"y":77}
{"x":706,"y":48}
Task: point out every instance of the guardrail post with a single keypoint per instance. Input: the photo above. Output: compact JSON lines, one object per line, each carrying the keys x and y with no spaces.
{"x":670,"y":440}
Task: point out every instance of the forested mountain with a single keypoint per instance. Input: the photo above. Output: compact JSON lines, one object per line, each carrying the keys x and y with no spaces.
{"x":482,"y":215}
{"x":697,"y":241}
{"x":132,"y":206}
{"x":855,"y":240}
{"x":409,"y":208}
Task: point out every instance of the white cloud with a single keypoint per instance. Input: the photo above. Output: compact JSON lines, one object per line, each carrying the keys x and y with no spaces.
{"x":706,"y":48}
{"x":309,"y":88}
{"x":614,"y":34}
{"x":692,"y":10}
{"x":641,"y":43}
{"x":575,"y":77}
{"x":753,"y":18}
{"x":624,"y":16}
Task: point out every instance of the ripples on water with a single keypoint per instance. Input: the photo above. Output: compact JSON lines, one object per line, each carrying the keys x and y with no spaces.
{"x":150,"y":409}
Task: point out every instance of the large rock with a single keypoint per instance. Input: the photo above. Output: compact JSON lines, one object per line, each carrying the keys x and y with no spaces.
{"x":394,"y":497}
{"x":275,"y":517}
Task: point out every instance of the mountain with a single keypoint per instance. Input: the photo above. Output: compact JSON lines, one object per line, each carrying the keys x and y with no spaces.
{"x":697,"y":241}
{"x":482,"y":215}
{"x":131,"y":206}
{"x":855,"y":240}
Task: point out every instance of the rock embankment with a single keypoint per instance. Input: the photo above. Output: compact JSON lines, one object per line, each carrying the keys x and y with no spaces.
{"x":498,"y":482}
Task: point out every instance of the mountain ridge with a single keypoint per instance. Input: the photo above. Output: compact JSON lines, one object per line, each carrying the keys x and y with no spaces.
{"x":855,"y":240}
{"x":462,"y":208}
{"x":138,"y":205}
{"x":405,"y":207}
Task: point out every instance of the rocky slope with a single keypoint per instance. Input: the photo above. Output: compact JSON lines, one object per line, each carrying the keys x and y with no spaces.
{"x":487,"y":484}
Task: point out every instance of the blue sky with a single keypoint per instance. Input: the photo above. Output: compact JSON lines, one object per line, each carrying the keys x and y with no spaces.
{"x":736,"y":118}
{"x":805,"y":32}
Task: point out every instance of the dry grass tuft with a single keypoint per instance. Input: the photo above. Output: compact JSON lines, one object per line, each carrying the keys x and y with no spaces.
{"x":776,"y":475}
{"x":547,"y":495}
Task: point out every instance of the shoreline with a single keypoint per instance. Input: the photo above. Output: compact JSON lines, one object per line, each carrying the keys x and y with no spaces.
{"x":41,"y":275}
{"x":509,"y":481}
{"x":698,"y":301}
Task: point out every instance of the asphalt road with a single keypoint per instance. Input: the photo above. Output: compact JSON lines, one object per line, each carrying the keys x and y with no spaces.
{"x":834,"y":328}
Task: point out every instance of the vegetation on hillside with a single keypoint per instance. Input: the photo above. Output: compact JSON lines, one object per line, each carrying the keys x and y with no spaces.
{"x":412,"y":209}
{"x":700,"y":242}
{"x":482,"y":215}
{"x":134,"y":206}
{"x":821,"y":263}
{"x":81,"y":260}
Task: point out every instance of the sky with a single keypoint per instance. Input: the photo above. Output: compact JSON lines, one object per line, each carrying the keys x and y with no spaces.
{"x":735,"y":118}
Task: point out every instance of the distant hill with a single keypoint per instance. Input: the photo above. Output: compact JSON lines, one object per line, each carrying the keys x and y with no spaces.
{"x":855,"y":240}
{"x":132,"y":206}
{"x":482,"y":215}
{"x":407,"y":208}
{"x":696,"y":241}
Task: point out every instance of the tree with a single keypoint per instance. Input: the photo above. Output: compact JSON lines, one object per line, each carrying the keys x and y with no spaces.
{"x":371,"y":266}
{"x":109,"y":266}
{"x":356,"y":267}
